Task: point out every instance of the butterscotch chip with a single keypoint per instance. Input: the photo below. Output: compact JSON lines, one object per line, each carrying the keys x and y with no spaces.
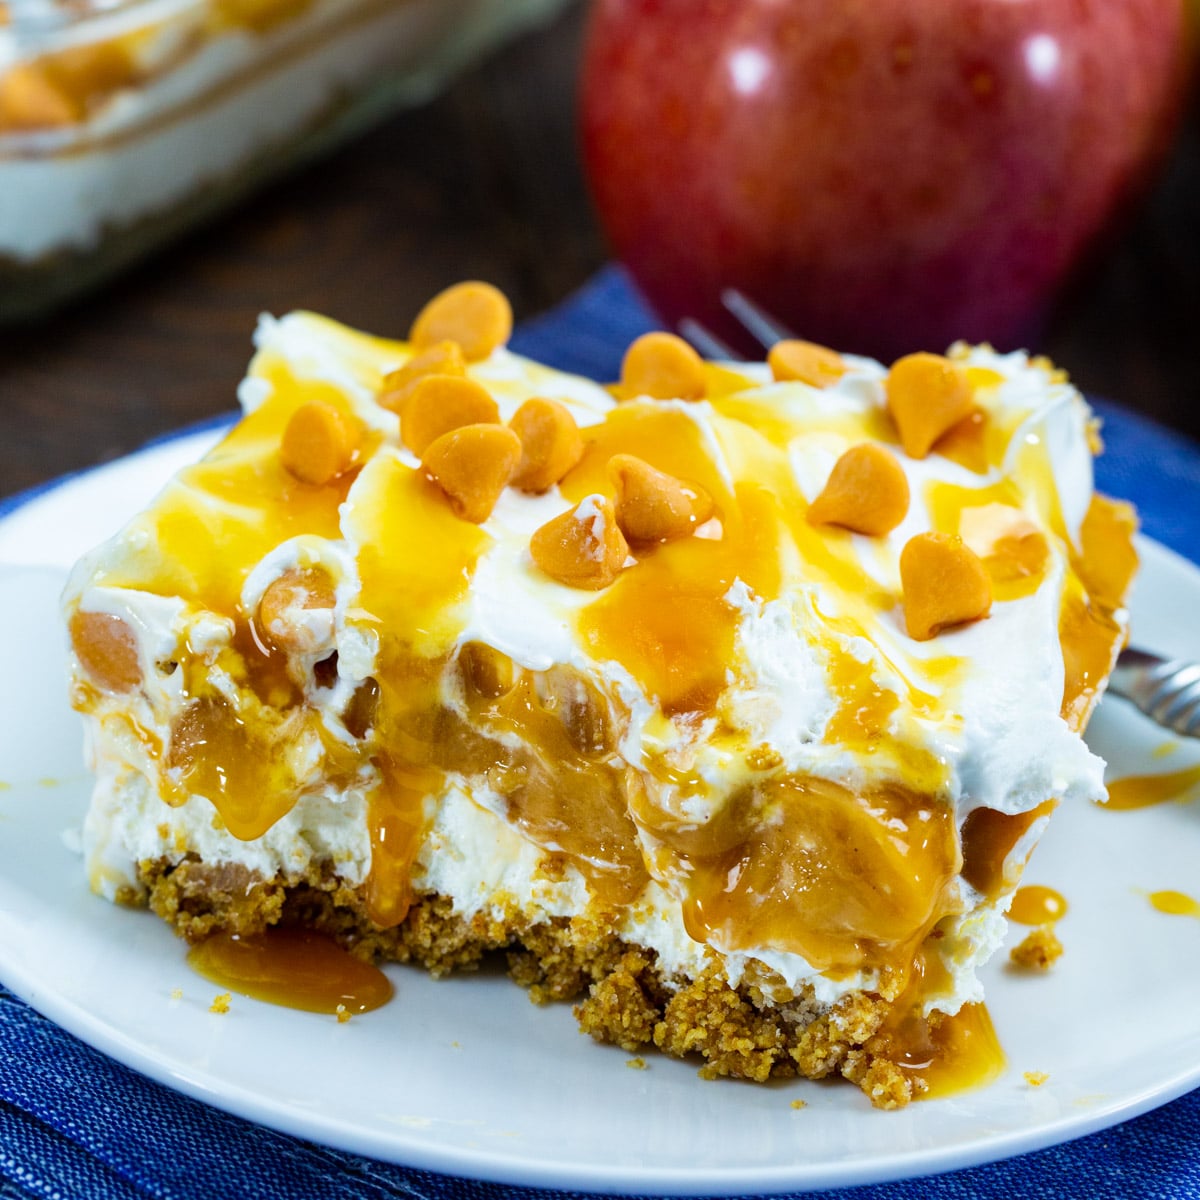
{"x":663,"y":367}
{"x":944,"y":583}
{"x":551,"y":443}
{"x":319,"y":443}
{"x":652,"y":506}
{"x":583,"y":547}
{"x":867,"y":491}
{"x":442,"y":358}
{"x":297,"y":589}
{"x":106,"y":649}
{"x":805,"y":362}
{"x":29,"y":100}
{"x":926,"y":395}
{"x":439,"y":403}
{"x":472,"y":465}
{"x":475,"y":315}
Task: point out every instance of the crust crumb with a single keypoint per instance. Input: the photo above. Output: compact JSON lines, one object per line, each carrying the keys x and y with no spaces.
{"x":757,"y":1030}
{"x":623,"y":1007}
{"x":636,"y":1064}
{"x":708,"y":1017}
{"x":799,"y":1104}
{"x":220,"y":1003}
{"x":1036,"y":1078}
{"x":1039,"y":950}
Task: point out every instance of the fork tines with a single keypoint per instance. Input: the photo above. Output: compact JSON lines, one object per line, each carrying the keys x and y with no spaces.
{"x":756,"y":321}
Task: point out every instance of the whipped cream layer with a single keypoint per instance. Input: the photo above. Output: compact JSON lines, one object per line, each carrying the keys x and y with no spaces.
{"x":752,"y":675}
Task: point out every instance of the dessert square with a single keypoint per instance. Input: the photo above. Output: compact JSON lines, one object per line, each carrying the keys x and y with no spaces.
{"x":727,"y":701}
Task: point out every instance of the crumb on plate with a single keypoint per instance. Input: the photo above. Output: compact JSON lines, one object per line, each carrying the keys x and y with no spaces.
{"x":1039,"y":950}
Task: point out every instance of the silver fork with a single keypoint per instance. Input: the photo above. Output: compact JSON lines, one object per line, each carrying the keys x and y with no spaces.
{"x":1167,"y":690}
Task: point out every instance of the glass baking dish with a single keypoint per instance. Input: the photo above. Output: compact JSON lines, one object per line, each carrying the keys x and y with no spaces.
{"x":124,"y":122}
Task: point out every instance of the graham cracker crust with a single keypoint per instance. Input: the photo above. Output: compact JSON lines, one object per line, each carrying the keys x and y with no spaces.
{"x":621,"y":995}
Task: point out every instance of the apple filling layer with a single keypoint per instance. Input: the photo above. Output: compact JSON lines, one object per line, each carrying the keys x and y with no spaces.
{"x":736,"y":689}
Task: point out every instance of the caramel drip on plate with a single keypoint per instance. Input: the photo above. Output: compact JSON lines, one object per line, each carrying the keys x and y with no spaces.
{"x":1143,"y":791}
{"x":295,"y":968}
{"x":1035,"y":904}
{"x":1175,"y":904}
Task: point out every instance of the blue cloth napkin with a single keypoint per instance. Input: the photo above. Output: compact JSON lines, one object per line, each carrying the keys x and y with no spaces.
{"x":74,"y":1123}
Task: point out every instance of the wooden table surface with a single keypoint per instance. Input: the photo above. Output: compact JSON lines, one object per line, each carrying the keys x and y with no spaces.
{"x":484,"y":182}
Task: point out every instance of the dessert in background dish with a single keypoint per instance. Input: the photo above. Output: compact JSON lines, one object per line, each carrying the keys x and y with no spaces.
{"x":122,"y":124}
{"x":729,"y":700}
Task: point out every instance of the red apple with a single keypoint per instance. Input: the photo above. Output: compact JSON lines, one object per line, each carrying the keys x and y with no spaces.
{"x":886,"y":175}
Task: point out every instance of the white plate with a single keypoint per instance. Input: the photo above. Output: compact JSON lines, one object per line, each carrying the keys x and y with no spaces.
{"x":466,"y":1076}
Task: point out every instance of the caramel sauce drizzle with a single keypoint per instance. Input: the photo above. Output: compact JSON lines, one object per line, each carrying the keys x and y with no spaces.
{"x":1090,"y":635}
{"x":1017,"y":561}
{"x":1143,"y":791}
{"x":1175,"y":904}
{"x":950,"y":1055}
{"x":806,"y":867}
{"x":295,"y":968}
{"x":561,"y":781}
{"x":1035,"y":904}
{"x":988,"y":839}
{"x":219,"y":517}
{"x":941,"y":1055}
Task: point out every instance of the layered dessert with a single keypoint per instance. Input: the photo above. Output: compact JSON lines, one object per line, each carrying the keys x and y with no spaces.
{"x":728,"y":700}
{"x":123,"y":123}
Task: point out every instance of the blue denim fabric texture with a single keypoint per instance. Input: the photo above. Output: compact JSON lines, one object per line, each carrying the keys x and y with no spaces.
{"x":74,"y":1123}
